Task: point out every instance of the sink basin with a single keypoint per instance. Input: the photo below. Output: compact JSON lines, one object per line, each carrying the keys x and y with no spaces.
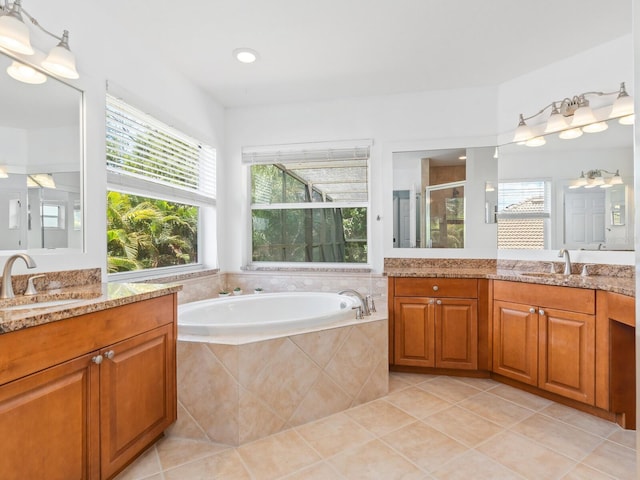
{"x":31,"y":306}
{"x":543,"y":274}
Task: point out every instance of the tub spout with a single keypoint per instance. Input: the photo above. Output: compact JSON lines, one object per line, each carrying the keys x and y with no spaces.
{"x":363,"y":303}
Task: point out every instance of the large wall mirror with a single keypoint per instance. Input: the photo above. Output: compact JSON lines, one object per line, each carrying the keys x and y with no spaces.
{"x":438,"y":198}
{"x":575,"y":194}
{"x":40,"y":162}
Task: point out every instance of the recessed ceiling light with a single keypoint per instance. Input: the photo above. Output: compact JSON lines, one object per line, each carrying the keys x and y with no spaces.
{"x":245,"y":55}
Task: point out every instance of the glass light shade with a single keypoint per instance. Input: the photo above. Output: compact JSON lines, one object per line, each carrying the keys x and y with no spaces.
{"x":556,"y":123}
{"x":606,"y":185}
{"x":622,"y":106}
{"x":628,"y":120}
{"x":616,"y":180}
{"x":43,"y":180}
{"x":579,"y":182}
{"x":583,"y":116}
{"x":14,"y":35}
{"x":596,"y":182}
{"x":61,"y":62}
{"x":570,"y":134}
{"x":25,"y":74}
{"x":3,"y":173}
{"x":535,"y":142}
{"x":522,"y":133}
{"x":595,"y":127}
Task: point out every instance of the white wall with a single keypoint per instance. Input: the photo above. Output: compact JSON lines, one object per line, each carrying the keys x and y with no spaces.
{"x":140,"y":75}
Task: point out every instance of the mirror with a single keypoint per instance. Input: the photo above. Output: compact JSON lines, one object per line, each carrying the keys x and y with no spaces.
{"x":438,"y":198}
{"x":574,"y":194}
{"x":40,"y":163}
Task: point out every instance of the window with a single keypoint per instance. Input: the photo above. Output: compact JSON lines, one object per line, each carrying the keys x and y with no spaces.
{"x":524,"y":212}
{"x":309,"y":203}
{"x":161,"y":184}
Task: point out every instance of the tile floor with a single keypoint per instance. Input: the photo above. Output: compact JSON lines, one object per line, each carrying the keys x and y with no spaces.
{"x":428,"y":427}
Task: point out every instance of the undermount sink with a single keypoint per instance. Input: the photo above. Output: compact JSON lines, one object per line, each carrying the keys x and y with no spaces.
{"x":50,"y":303}
{"x":543,"y":274}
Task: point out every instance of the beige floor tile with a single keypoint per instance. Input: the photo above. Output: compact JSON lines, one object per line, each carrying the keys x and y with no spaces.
{"x":479,"y":383}
{"x":380,"y":417}
{"x":334,"y":434}
{"x":280,"y":454}
{"x":463,"y":425}
{"x":613,"y":459}
{"x":319,"y":471}
{"x":144,"y":466}
{"x":522,"y":398}
{"x":175,"y":451}
{"x":413,"y":378}
{"x":375,"y":461}
{"x":624,"y":437}
{"x":449,"y":389}
{"x":417,"y":402}
{"x":424,"y":446}
{"x":526,"y":457}
{"x":582,"y":472}
{"x":496,"y":409}
{"x":397,"y":383}
{"x":221,"y":466}
{"x":474,"y":465}
{"x":564,"y":439}
{"x":584,"y":421}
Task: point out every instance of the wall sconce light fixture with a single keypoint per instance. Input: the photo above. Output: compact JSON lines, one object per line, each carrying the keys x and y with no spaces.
{"x":597,"y":178}
{"x":573,"y":116}
{"x":14,"y":36}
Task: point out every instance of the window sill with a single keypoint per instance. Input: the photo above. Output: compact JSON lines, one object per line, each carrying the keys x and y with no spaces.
{"x":168,"y":275}
{"x":266,"y":267}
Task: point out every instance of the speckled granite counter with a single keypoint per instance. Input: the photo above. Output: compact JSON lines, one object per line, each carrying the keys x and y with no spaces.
{"x":612,"y":278}
{"x":29,"y":311}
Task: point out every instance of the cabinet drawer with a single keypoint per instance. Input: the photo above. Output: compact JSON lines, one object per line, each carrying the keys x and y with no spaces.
{"x":563,"y":298}
{"x":436,"y":287}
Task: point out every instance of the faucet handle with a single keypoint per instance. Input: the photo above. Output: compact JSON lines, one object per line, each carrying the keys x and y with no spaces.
{"x":371,"y":303}
{"x":585,"y":269}
{"x":358,"y":310}
{"x":31,"y":289}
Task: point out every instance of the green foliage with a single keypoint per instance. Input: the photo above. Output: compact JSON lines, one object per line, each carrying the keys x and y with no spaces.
{"x":147,"y":233}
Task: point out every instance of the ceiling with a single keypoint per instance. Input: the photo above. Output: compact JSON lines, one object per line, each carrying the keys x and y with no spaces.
{"x":319,"y":50}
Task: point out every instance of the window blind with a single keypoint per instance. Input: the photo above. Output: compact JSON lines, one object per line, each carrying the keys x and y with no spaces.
{"x":140,"y":147}
{"x":526,"y":199}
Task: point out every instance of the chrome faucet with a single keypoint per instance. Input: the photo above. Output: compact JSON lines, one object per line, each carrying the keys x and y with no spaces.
{"x":567,"y":260}
{"x":363,"y":303}
{"x":7,"y":288}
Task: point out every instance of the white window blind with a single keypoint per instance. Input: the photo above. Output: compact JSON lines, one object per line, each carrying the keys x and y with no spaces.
{"x":141,"y":149}
{"x":526,"y":199}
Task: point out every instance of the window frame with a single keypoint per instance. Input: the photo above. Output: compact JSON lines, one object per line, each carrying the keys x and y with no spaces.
{"x":137,"y":185}
{"x":304,"y":149}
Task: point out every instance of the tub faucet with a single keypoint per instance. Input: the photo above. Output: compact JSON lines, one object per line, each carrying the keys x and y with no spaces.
{"x":363,"y":303}
{"x":567,"y":260}
{"x":7,"y":288}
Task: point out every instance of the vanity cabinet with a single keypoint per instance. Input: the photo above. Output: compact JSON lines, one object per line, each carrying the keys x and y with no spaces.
{"x":435,"y":323}
{"x":545,"y":336}
{"x":81,"y":397}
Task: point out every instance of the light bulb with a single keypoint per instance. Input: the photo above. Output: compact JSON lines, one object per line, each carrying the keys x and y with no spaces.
{"x":25,"y":74}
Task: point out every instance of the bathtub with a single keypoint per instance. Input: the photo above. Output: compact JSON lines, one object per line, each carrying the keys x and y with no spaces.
{"x":250,"y":366}
{"x":266,"y":313}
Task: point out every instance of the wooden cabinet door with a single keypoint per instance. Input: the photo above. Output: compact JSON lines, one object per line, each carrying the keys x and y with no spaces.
{"x":48,"y":423}
{"x":138,"y":391}
{"x":456,"y":327}
{"x":515,"y":341}
{"x":414,"y":342}
{"x":567,"y":354}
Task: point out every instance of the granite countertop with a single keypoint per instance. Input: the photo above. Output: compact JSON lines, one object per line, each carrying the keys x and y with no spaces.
{"x":58,"y":304}
{"x":624,"y":285}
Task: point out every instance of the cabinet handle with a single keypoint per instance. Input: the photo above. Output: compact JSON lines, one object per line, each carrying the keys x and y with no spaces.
{"x":109,"y":354}
{"x":541,"y":312}
{"x":97,"y":359}
{"x":436,"y":288}
{"x":439,"y":302}
{"x":532,"y":310}
{"x":431,"y":301}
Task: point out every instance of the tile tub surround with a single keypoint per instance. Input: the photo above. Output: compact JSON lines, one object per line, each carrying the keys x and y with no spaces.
{"x":234,"y":394}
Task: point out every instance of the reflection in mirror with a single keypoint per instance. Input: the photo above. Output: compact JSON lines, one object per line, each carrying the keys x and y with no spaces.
{"x":573,"y":194}
{"x":40,"y":163}
{"x":439,"y":198}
